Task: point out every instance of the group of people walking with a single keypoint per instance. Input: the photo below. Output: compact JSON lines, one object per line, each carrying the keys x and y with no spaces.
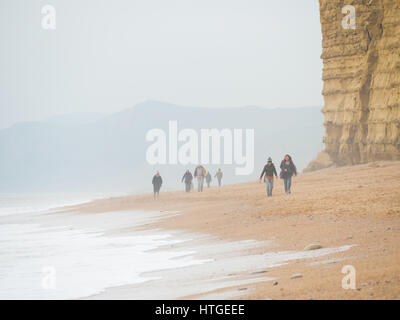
{"x":288,"y":169}
{"x":200,"y":174}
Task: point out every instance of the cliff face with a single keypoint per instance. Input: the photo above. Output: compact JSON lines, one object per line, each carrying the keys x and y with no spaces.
{"x":361,"y":77}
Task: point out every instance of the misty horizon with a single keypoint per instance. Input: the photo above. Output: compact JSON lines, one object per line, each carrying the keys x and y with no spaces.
{"x":97,"y":115}
{"x":105,"y":57}
{"x":107,"y":153}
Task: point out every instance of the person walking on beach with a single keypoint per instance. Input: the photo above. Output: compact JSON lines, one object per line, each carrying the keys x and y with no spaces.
{"x":268,"y":174}
{"x":288,"y":170}
{"x":187,"y":177}
{"x":157,"y":182}
{"x":219,"y":175}
{"x":200,"y":174}
{"x":208,"y":179}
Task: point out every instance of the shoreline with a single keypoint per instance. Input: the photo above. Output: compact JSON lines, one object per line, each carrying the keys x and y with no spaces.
{"x":358,"y":205}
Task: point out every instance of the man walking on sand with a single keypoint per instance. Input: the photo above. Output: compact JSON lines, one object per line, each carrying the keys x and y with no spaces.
{"x":157,"y":182}
{"x":269,"y":172}
{"x":219,"y":175}
{"x":200,"y":174}
{"x":187,"y":177}
{"x":208,"y":179}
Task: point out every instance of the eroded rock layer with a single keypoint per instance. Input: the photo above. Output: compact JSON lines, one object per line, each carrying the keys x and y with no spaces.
{"x":361,"y":77}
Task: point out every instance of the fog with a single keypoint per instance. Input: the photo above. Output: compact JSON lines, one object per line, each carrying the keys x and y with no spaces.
{"x":105,"y":56}
{"x":76,"y":101}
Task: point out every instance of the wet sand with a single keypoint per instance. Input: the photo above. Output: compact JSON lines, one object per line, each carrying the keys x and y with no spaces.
{"x":336,"y":207}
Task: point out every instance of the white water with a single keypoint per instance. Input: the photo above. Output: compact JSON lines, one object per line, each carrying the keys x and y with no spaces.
{"x":70,"y":255}
{"x":84,"y":263}
{"x":14,"y":203}
{"x":77,"y":259}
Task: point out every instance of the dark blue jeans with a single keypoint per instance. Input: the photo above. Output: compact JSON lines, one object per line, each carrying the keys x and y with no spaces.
{"x":288,"y":183}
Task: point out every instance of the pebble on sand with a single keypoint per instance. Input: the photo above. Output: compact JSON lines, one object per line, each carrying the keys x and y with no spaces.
{"x":313,"y":246}
{"x":296,"y":275}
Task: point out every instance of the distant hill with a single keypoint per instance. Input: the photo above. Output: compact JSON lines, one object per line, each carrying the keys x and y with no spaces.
{"x":108,"y":152}
{"x":76,"y":118}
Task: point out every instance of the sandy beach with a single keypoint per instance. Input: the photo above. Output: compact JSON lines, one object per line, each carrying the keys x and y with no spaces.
{"x":101,"y":106}
{"x":353,"y":208}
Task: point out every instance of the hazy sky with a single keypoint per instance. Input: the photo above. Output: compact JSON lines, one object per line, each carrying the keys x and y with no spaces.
{"x":105,"y":56}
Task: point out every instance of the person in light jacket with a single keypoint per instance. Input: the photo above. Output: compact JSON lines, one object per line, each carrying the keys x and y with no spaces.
{"x":199,"y":174}
{"x":219,"y":175}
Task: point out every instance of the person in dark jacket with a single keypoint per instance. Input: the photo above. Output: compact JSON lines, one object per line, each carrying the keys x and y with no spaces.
{"x":288,"y":170}
{"x":268,"y":174}
{"x":187,"y":178}
{"x":157,"y":182}
{"x":208,"y":179}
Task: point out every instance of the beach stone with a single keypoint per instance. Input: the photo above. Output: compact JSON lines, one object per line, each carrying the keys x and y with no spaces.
{"x":296,"y":275}
{"x":313,"y":246}
{"x":275,"y":283}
